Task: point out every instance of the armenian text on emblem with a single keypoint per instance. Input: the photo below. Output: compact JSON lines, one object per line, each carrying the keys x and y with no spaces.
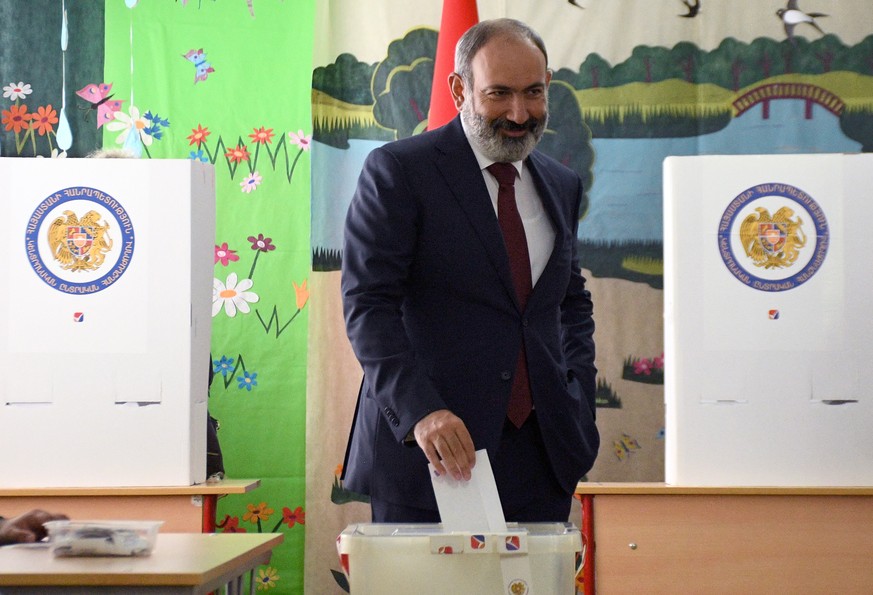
{"x":777,"y":252}
{"x":79,"y":244}
{"x":772,"y":242}
{"x":77,"y":253}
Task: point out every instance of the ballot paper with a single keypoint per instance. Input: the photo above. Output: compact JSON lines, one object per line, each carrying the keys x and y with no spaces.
{"x":470,"y":506}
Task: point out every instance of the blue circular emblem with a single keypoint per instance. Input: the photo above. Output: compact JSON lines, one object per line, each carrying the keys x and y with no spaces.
{"x":79,"y":240}
{"x":773,"y":237}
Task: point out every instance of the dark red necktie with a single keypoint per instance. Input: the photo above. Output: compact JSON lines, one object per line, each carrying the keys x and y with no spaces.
{"x":520,"y":403}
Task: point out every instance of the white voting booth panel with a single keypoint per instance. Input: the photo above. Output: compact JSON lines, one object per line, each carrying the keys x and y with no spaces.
{"x":105,"y":321}
{"x":768,"y":289}
{"x":385,"y":559}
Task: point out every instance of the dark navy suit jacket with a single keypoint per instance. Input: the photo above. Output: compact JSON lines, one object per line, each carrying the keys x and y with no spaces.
{"x":432,"y":316}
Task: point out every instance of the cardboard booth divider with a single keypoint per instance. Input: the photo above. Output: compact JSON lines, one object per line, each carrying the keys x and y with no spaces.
{"x":767,"y":295}
{"x":105,"y":321}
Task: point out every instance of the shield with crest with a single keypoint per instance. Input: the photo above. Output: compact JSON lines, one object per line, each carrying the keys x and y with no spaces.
{"x":79,"y":240}
{"x":772,"y":236}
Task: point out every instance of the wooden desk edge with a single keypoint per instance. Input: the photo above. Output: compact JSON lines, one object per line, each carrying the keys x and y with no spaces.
{"x":241,"y":561}
{"x":257,"y":555}
{"x":593,"y":488}
{"x":226,"y":486}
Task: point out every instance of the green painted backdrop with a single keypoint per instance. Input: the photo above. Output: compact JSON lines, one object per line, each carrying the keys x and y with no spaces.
{"x":250,"y":116}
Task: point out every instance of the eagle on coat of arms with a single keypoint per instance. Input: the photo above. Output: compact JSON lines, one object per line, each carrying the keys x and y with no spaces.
{"x":79,"y":244}
{"x":772,"y":242}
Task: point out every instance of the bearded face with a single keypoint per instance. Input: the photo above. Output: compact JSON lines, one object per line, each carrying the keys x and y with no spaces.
{"x":489,"y":133}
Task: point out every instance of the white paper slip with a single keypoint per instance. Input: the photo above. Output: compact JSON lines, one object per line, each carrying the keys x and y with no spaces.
{"x":470,"y":506}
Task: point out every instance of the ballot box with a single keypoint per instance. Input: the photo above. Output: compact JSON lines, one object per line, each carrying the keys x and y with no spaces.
{"x":767,"y":297}
{"x":104,"y":321}
{"x":529,"y":559}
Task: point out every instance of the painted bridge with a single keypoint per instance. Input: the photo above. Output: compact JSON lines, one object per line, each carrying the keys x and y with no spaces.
{"x":764,"y":94}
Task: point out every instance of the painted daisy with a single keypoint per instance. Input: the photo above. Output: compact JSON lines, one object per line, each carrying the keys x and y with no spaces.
{"x":19,"y":91}
{"x":300,"y":139}
{"x":251,"y":182}
{"x":125,"y":122}
{"x":232,"y":295}
{"x":55,"y":155}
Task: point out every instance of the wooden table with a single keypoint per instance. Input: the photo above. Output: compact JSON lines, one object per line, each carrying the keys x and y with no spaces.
{"x":187,"y":563}
{"x":656,"y":538}
{"x":184,"y":509}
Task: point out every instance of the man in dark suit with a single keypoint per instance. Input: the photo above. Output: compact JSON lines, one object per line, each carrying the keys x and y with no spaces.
{"x":469,"y":336}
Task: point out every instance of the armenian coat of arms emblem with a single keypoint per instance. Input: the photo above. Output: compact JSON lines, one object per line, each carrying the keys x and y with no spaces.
{"x":79,"y":244}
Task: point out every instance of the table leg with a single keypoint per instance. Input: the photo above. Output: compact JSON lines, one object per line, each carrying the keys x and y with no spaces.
{"x":588,"y":542}
{"x":209,"y":508}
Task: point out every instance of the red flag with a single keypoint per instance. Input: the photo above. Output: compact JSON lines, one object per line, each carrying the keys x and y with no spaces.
{"x":458,"y":16}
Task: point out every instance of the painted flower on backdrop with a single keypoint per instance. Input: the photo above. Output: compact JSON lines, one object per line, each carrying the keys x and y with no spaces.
{"x":267,"y":578}
{"x":643,"y":366}
{"x":247,"y":381}
{"x":225,"y":255}
{"x":13,"y":92}
{"x":301,"y":139}
{"x":44,"y":119}
{"x":130,"y":122}
{"x":261,"y":243}
{"x":232,"y":295}
{"x":25,"y":124}
{"x":646,"y":367}
{"x":198,"y":135}
{"x":238,"y":154}
{"x":258,"y":512}
{"x":301,"y":294}
{"x":198,"y":156}
{"x":291,"y":518}
{"x":251,"y":182}
{"x":54,"y":155}
{"x":230,"y":524}
{"x":156,"y":125}
{"x":16,"y":118}
{"x":223,"y":366}
{"x":262,"y":135}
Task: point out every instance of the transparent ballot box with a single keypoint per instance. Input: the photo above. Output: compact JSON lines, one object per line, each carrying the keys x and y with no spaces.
{"x":387,"y":559}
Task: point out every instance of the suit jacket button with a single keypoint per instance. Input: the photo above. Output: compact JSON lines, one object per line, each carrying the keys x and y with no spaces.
{"x":505,"y":375}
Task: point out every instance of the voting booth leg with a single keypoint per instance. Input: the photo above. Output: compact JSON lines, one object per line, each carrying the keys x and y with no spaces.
{"x":587,"y":501}
{"x":209,"y":509}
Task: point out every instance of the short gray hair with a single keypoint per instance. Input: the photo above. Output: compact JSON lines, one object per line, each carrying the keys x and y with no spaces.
{"x":111,"y":154}
{"x":481,"y":33}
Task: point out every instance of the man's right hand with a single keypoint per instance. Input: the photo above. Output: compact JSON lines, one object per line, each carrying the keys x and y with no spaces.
{"x":446,"y":443}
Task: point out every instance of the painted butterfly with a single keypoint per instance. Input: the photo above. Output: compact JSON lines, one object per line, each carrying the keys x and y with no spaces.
{"x":202,"y":68}
{"x":100,"y":100}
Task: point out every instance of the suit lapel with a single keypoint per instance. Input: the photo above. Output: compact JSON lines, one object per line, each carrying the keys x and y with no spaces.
{"x":459,"y":168}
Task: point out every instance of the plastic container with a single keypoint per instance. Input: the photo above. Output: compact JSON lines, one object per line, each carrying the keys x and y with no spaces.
{"x":388,"y":559}
{"x":102,"y":538}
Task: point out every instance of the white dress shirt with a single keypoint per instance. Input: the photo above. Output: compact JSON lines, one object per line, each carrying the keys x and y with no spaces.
{"x":538,"y":227}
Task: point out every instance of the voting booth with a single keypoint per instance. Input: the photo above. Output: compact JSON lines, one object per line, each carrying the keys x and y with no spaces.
{"x":105,"y":321}
{"x":768,"y":289}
